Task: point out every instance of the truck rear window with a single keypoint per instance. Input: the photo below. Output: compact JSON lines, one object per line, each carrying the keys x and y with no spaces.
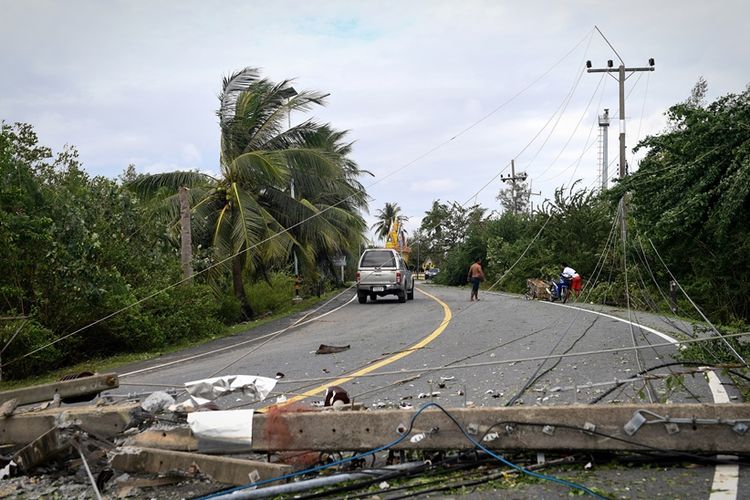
{"x":378,"y":259}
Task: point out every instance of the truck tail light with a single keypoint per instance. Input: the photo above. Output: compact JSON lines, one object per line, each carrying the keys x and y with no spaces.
{"x":357,"y":276}
{"x":398,"y":276}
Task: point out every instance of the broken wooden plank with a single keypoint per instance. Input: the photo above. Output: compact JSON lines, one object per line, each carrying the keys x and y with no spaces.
{"x":221,"y":469}
{"x":67,"y":388}
{"x":101,"y":421}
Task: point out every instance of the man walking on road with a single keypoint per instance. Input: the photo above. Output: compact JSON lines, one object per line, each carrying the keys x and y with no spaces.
{"x":476,"y":275}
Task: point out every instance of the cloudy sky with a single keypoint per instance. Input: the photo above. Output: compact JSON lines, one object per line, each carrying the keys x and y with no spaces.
{"x":438,"y":96}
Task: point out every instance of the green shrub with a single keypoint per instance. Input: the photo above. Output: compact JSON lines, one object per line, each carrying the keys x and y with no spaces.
{"x":271,"y":297}
{"x":30,"y":336}
{"x":229,"y":310}
{"x":185,"y":313}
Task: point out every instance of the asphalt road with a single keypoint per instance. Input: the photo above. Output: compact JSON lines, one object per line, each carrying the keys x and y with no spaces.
{"x":479,"y":353}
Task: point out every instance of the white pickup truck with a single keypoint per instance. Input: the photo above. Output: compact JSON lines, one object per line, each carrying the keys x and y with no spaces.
{"x":382,"y":271}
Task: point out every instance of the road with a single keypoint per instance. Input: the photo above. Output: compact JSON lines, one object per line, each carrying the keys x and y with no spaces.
{"x":484,"y":353}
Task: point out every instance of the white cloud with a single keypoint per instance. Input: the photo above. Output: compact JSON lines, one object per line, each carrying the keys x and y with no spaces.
{"x":190,"y":153}
{"x":136,"y":81}
{"x":436,"y":187}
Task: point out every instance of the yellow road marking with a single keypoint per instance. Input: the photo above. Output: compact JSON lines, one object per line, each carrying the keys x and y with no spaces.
{"x":383,"y":362}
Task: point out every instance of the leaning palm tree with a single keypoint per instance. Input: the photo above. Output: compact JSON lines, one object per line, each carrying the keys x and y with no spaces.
{"x":387,"y":218}
{"x":280,"y":188}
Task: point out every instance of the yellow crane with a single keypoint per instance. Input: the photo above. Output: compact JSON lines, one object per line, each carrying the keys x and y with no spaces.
{"x":397,"y":240}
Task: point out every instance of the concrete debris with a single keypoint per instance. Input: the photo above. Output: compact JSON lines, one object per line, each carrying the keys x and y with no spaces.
{"x":331,"y":349}
{"x":7,"y":408}
{"x":182,"y":407}
{"x":423,"y":395}
{"x":157,"y":401}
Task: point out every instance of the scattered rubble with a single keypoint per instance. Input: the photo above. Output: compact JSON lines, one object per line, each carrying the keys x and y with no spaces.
{"x":157,"y":401}
{"x":159,"y":447}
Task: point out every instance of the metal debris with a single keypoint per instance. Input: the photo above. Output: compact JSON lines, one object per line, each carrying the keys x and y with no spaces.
{"x":205,"y":390}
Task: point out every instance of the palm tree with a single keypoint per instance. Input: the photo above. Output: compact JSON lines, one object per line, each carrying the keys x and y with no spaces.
{"x":387,"y":218}
{"x":248,"y":213}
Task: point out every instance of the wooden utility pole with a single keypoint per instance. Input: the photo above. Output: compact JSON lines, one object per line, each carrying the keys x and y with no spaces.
{"x":186,"y":240}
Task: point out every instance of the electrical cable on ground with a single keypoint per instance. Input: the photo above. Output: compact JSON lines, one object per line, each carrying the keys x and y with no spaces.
{"x":522,"y":360}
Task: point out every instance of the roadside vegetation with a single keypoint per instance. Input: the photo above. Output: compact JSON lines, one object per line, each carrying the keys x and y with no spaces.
{"x":91,"y":266}
{"x":688,"y":200}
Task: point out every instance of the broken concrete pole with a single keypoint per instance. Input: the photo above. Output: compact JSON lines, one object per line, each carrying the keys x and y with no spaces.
{"x":65,"y":389}
{"x":221,"y":469}
{"x":45,"y":447}
{"x":104,"y":422}
{"x":711,"y":428}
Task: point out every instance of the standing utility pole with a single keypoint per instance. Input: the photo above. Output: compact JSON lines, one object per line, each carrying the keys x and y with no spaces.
{"x":532,"y":193}
{"x":621,"y":70}
{"x":513,"y":178}
{"x":604,"y":148}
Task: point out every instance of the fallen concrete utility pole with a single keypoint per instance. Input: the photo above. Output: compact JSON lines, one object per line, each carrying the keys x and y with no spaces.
{"x":104,"y":422}
{"x":700,"y":428}
{"x":41,"y":449}
{"x":220,"y":469}
{"x":65,"y":389}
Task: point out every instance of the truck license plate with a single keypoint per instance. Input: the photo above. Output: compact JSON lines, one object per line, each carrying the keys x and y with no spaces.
{"x":378,"y":289}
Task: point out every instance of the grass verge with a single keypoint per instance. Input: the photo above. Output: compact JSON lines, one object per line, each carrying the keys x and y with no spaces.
{"x":111,"y":363}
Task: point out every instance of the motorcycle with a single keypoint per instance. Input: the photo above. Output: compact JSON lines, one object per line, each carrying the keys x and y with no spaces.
{"x":559,"y":290}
